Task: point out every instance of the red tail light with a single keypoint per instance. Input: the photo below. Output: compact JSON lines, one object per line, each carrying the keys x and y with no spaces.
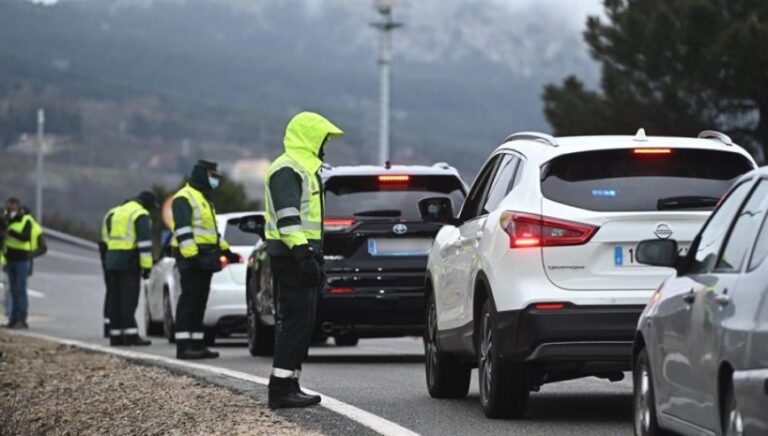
{"x":651,"y":151}
{"x":549,"y":306}
{"x":529,"y":230}
{"x":337,"y":224}
{"x":225,"y":262}
{"x":394,"y":181}
{"x":340,"y":291}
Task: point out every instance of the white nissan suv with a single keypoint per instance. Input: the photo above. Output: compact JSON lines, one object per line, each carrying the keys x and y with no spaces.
{"x":537,"y":280}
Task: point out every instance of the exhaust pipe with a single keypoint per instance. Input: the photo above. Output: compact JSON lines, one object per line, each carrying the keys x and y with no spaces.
{"x":326,"y":327}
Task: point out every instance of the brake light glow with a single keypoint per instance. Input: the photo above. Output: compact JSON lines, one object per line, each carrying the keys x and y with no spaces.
{"x":337,"y":224}
{"x":340,"y":291}
{"x":396,"y":179}
{"x":549,"y":306}
{"x":225,"y":262}
{"x":647,"y":151}
{"x":530,"y":230}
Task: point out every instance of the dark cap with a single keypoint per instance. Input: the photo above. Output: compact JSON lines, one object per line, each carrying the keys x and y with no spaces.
{"x":209,"y":166}
{"x":148,"y":199}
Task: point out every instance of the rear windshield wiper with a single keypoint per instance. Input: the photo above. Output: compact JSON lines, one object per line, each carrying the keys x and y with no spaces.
{"x":380,"y":212}
{"x":686,"y":202}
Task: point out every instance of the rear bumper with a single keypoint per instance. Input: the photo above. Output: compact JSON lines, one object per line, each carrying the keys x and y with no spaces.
{"x":226,"y":309}
{"x":595,"y":334}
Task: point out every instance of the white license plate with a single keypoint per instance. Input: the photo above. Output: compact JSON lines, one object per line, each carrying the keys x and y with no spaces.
{"x":399,"y":246}
{"x":626,"y":255}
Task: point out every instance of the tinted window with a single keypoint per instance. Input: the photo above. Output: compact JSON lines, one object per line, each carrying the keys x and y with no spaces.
{"x":711,"y":238}
{"x":742,"y":235}
{"x":370,"y":196}
{"x":236,"y":237}
{"x":621,"y":180}
{"x":477,"y":194}
{"x":502,"y":182}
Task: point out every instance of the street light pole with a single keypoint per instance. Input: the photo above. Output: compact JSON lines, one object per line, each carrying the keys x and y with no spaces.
{"x":386,"y":26}
{"x":39,"y":187}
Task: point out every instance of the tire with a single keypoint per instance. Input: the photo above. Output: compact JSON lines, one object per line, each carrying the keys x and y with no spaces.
{"x":447,"y":375}
{"x":153,"y":328}
{"x":346,"y":340}
{"x":169,"y":327}
{"x":733,"y":424}
{"x":261,"y":337}
{"x":643,"y":398}
{"x":504,"y":386}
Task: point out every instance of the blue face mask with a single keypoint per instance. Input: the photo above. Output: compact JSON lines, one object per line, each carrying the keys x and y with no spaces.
{"x":213,"y":182}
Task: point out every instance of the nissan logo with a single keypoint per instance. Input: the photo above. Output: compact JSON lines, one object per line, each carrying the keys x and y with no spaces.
{"x":663,"y":231}
{"x":400,"y":229}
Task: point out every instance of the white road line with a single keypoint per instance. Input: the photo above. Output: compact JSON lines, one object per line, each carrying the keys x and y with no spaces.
{"x":374,"y":422}
{"x":35,"y":294}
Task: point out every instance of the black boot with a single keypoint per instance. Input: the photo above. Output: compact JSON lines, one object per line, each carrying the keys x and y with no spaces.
{"x":185,"y":350}
{"x":116,"y":340}
{"x":106,"y":329}
{"x":206,"y":352}
{"x":297,"y":389}
{"x":283,"y":395}
{"x":136,"y":340}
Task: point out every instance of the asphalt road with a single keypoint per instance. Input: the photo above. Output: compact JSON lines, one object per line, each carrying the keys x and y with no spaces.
{"x":382,"y":376}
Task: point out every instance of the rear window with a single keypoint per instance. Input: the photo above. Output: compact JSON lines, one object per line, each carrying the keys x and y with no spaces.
{"x":236,"y":237}
{"x":392,"y":196}
{"x":629,"y":180}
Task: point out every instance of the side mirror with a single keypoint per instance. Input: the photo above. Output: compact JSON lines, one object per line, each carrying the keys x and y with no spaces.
{"x":252,"y":224}
{"x":437,"y":210}
{"x":658,"y":252}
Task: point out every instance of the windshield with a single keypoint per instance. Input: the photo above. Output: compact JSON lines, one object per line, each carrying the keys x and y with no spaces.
{"x":624,"y":180}
{"x":397,"y":196}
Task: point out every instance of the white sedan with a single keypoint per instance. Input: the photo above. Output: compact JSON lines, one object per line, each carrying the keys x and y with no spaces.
{"x":226,"y":310}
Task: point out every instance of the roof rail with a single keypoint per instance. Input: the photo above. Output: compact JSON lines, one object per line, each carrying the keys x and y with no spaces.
{"x":718,"y":136}
{"x":534,"y":136}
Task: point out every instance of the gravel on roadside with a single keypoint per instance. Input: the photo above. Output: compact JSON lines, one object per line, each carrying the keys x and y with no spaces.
{"x":49,"y":388}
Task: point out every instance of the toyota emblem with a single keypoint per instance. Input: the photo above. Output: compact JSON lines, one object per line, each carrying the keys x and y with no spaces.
{"x":400,"y":229}
{"x":663,"y":231}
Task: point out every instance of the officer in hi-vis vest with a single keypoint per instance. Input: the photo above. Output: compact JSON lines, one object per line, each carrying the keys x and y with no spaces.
{"x":128,"y":258}
{"x":103,"y":243}
{"x":199,"y":248}
{"x":294,"y":232}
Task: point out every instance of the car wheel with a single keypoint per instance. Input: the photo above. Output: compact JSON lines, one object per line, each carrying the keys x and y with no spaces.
{"x":644,"y":400}
{"x":447,"y":375}
{"x":153,"y":328}
{"x":169,"y":327}
{"x":733,"y":424}
{"x":261,"y":337}
{"x":504,"y":386}
{"x":346,"y":340}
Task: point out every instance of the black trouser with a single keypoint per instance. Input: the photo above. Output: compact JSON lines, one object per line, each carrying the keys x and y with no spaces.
{"x":123,"y":288}
{"x":190,"y":310}
{"x":296,"y":312}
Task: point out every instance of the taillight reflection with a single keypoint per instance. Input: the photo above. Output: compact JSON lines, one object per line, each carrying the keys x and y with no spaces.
{"x":530,"y":230}
{"x":337,"y":224}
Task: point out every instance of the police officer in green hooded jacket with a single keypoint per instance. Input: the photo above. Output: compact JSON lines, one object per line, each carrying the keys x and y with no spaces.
{"x":294,"y":232}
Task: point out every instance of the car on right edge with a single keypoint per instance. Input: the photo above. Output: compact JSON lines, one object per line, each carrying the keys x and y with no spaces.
{"x":537,"y":280}
{"x":701,"y":348}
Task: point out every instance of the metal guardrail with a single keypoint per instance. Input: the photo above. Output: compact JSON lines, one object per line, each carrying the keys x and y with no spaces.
{"x":74,"y":240}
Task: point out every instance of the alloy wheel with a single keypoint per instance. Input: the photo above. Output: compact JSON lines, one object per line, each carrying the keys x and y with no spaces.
{"x":642,"y":403}
{"x":486,"y":358}
{"x":430,"y":344}
{"x":735,"y":422}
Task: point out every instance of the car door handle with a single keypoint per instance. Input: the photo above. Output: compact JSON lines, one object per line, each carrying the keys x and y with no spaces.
{"x":690,"y":297}
{"x":723,"y":299}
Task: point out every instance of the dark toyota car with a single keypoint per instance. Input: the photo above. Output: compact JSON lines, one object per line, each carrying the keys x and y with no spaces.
{"x":375,"y":253}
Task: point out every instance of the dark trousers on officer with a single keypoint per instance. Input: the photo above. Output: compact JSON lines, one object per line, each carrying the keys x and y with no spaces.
{"x":107,"y":298}
{"x":190,"y":310}
{"x":123,"y":288}
{"x":296,"y":314}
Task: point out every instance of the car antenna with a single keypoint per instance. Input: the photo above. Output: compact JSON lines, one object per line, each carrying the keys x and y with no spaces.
{"x":387,"y":165}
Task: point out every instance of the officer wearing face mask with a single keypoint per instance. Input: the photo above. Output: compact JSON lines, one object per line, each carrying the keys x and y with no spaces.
{"x":198,"y":247}
{"x":294,"y":233}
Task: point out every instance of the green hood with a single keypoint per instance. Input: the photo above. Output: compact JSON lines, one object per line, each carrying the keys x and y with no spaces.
{"x":304,"y":136}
